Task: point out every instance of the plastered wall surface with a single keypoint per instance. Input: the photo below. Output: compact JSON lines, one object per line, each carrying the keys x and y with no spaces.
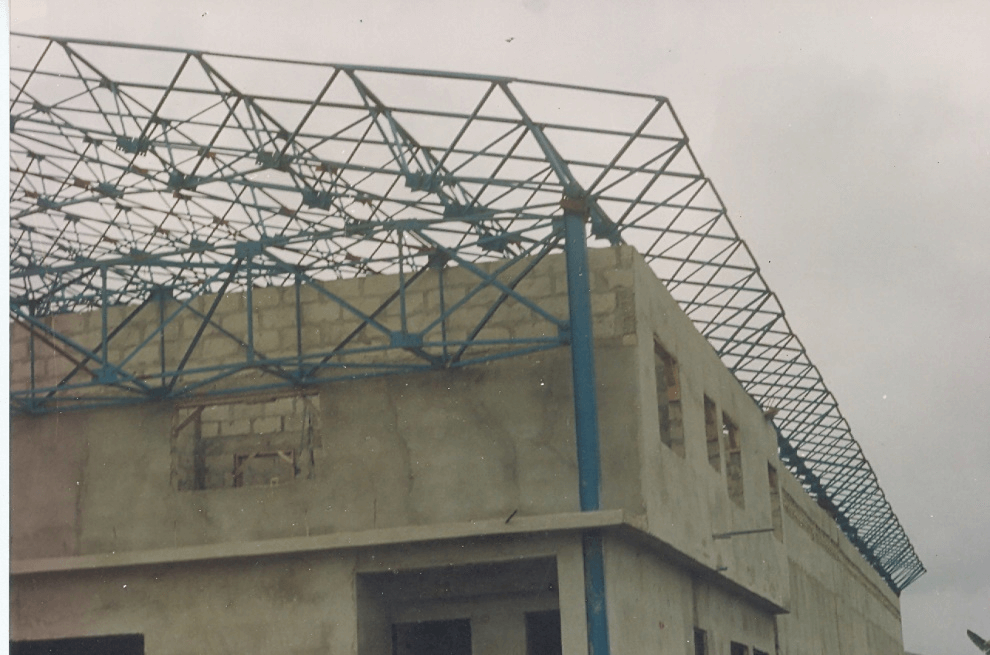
{"x":442,"y":448}
{"x":292,"y":605}
{"x":434,"y":448}
{"x":316,"y":603}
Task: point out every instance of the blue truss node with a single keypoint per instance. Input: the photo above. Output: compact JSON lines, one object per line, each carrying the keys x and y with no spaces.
{"x":162,"y":182}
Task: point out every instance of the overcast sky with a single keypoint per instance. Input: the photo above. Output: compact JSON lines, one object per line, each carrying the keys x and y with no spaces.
{"x":851,"y":144}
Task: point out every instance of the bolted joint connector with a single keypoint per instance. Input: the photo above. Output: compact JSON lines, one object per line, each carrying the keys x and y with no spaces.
{"x":575,"y":205}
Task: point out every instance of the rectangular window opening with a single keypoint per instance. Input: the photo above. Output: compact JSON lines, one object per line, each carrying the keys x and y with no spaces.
{"x":700,"y":642}
{"x":733,"y":463}
{"x":735,"y":648}
{"x":245,"y":441}
{"x":712,"y":436}
{"x":669,"y":399}
{"x":776,"y":516}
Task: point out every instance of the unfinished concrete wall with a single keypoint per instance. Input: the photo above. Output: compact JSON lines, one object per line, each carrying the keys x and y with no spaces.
{"x":829,"y":578}
{"x":317,"y":602}
{"x":649,"y":601}
{"x":304,"y":605}
{"x":691,"y":496}
{"x":444,"y":446}
{"x":405,"y":450}
{"x":804,"y":563}
{"x":329,"y":311}
{"x":466,"y":446}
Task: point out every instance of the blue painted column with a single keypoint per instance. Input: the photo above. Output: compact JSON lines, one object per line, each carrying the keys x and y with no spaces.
{"x":586,"y":422}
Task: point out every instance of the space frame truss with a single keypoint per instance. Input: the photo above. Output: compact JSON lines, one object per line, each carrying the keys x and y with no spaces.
{"x":158,"y":180}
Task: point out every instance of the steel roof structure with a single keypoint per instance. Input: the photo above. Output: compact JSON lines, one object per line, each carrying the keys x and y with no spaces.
{"x":141,"y":175}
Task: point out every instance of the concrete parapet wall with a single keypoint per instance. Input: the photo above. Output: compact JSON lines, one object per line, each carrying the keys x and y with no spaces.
{"x":328,"y":313}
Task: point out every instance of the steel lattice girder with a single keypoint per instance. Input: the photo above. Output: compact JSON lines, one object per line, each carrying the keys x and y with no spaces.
{"x":156,"y":178}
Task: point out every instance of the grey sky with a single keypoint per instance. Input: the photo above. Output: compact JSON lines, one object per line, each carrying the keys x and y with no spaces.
{"x":851,"y":144}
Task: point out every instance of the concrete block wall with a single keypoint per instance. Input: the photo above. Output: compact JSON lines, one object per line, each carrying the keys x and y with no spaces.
{"x":323,"y":322}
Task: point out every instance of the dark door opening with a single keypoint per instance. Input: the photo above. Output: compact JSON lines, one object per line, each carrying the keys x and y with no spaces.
{"x":432,"y":638}
{"x":736,"y":648}
{"x":109,"y":645}
{"x":700,"y":642}
{"x":543,"y":633}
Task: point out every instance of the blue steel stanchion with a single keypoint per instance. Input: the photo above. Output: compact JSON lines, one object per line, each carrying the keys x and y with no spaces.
{"x":586,"y":422}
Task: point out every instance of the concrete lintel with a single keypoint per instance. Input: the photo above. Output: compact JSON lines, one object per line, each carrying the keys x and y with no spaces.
{"x":326,"y":542}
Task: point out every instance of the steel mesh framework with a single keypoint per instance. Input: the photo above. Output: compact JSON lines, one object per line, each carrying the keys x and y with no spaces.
{"x":152,"y":178}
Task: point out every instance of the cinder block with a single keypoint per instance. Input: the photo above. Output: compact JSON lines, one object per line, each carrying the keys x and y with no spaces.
{"x":414,"y":302}
{"x":216,"y":348}
{"x":312,"y":337}
{"x":235,"y":323}
{"x":536,"y":285}
{"x":603,"y":303}
{"x":231,"y":303}
{"x":365,"y":305}
{"x":187,"y":326}
{"x":69,"y":324}
{"x":456,"y":277}
{"x":604,"y":325}
{"x":235,"y":427}
{"x":216,"y":413}
{"x":275,"y":319}
{"x":431,"y":300}
{"x":210,"y":429}
{"x":349,"y":288}
{"x":281,"y":406}
{"x":620,"y":277}
{"x":267,"y":425}
{"x":555,"y":306}
{"x":493,"y":333}
{"x":321,"y":311}
{"x":379,"y":285}
{"x":292,"y":424}
{"x":264,"y":297}
{"x":602,"y":259}
{"x":308,"y":294}
{"x":532,"y":330}
{"x":268,"y":342}
{"x":625,"y":311}
{"x":625,"y":256}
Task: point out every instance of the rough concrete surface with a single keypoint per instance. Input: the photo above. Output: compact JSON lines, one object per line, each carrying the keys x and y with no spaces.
{"x":437,"y":450}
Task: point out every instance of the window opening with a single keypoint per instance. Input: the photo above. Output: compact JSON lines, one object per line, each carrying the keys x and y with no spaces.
{"x":259,"y":440}
{"x":776,"y":516}
{"x":733,"y":463}
{"x":736,"y":648}
{"x":410,"y":612}
{"x":262,"y":468}
{"x":700,"y":642}
{"x":669,"y":399}
{"x":757,"y":651}
{"x":712,"y":435}
{"x":543,"y":633}
{"x":432,"y":638}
